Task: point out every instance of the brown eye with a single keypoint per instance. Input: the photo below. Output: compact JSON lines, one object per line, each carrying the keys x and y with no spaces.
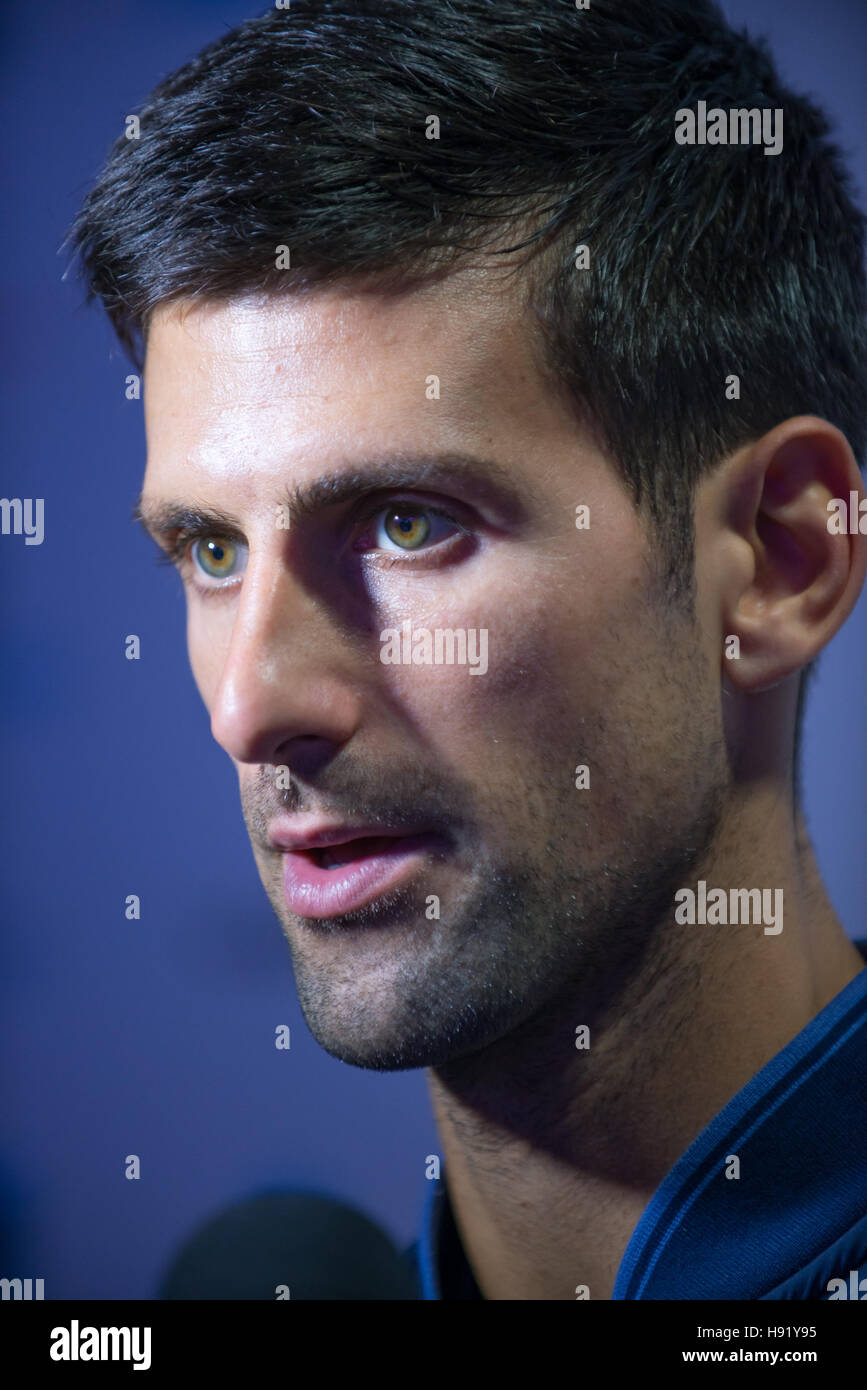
{"x":218,"y":557}
{"x":407,"y":527}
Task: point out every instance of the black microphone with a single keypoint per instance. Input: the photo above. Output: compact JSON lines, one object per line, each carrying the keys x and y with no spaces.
{"x":289,"y":1245}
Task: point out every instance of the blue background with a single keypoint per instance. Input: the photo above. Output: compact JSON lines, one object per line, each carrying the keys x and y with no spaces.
{"x":156,"y":1037}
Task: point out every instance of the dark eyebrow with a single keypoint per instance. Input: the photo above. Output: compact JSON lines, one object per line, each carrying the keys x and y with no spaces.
{"x":484,"y":478}
{"x":160,"y":519}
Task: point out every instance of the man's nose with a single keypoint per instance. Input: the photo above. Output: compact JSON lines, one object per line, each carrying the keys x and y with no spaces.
{"x":285,"y":692}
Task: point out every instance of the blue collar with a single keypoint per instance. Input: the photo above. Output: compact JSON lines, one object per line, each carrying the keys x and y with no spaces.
{"x":789,"y":1223}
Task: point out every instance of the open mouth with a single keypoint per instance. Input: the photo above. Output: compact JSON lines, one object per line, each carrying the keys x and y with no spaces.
{"x":335,"y":856}
{"x":327,"y":880}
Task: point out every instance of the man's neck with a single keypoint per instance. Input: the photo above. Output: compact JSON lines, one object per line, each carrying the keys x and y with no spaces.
{"x":552,"y":1152}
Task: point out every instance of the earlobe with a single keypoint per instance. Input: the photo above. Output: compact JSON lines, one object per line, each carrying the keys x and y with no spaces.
{"x":785,"y":498}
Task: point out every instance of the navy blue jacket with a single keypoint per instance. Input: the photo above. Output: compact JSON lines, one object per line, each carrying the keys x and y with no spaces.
{"x":793,"y":1225}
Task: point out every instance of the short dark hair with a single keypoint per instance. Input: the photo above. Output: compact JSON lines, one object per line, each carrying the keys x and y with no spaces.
{"x":309,"y":128}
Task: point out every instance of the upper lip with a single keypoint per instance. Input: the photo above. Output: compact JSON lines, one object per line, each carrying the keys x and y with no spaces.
{"x":297,"y":838}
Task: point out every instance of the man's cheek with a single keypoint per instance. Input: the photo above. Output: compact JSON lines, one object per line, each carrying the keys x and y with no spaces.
{"x":467,"y":678}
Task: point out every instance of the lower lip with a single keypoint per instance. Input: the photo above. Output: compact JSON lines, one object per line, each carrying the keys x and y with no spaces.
{"x":311,"y":891}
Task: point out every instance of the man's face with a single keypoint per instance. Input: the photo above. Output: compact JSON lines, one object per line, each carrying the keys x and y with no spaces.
{"x":501,"y":884}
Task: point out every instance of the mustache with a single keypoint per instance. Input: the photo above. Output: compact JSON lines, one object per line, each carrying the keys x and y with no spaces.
{"x":400,"y":796}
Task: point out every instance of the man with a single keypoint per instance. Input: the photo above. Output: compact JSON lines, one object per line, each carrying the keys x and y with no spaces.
{"x":501,"y":420}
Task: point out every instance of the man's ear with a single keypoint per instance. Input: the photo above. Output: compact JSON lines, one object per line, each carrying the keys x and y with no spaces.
{"x":797,"y":568}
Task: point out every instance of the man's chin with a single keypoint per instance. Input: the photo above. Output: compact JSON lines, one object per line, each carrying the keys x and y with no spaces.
{"x":402,"y":1023}
{"x":388,"y":1050}
{"x":381,"y":1054}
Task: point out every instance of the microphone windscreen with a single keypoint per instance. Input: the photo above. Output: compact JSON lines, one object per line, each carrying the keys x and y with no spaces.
{"x":290,"y":1245}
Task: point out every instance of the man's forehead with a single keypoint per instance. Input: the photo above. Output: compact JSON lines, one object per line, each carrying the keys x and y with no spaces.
{"x":448,"y":365}
{"x":468,"y":308}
